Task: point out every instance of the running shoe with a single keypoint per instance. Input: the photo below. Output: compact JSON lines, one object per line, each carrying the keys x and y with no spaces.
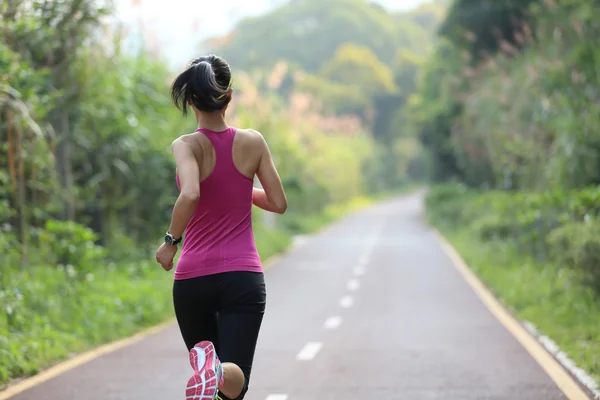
{"x":208,"y":373}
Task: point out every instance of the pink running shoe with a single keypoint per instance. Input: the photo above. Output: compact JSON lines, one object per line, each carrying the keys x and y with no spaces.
{"x":208,"y":373}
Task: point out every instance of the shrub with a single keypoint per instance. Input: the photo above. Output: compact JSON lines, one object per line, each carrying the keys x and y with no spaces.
{"x":562,"y":228}
{"x":446,"y":204}
{"x":577,"y":245}
{"x":70,"y":244}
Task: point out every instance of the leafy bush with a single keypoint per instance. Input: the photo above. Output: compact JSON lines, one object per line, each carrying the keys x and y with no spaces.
{"x":446,"y":204}
{"x":48,"y":313}
{"x":70,"y":244}
{"x":561,"y":227}
{"x":577,"y":244}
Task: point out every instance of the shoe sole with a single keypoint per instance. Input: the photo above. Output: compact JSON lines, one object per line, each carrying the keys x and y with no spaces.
{"x":203,"y":384}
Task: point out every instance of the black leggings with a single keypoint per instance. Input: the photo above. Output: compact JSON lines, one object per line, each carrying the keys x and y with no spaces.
{"x":226,"y":309}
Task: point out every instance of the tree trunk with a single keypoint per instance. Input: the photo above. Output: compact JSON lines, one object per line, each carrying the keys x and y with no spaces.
{"x":63,"y":161}
{"x":21,"y":196}
{"x":11,"y":151}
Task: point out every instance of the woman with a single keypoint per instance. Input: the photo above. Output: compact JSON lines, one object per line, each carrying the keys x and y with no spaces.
{"x":219,"y":289}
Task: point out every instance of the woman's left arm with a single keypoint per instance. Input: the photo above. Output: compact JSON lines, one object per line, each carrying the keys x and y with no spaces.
{"x":189,"y":181}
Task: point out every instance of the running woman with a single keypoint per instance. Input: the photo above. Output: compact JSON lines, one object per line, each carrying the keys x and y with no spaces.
{"x":219,"y":290}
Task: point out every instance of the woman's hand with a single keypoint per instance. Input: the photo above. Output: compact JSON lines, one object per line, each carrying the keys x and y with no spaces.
{"x":165,"y":255}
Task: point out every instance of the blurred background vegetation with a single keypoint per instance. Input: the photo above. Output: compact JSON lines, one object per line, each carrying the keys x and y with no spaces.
{"x":493,"y":102}
{"x":87,"y":179}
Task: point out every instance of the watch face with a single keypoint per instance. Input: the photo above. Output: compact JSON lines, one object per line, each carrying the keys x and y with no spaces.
{"x":169,"y":239}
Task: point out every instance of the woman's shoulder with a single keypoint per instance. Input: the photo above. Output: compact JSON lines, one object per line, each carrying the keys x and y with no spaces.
{"x":250,"y":136}
{"x":249,"y":133}
{"x":191,"y":138}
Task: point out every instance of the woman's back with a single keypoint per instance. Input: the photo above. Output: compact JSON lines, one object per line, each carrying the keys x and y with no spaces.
{"x":219,"y":235}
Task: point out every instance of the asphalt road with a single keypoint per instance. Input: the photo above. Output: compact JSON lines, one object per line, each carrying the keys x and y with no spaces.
{"x":370,"y":308}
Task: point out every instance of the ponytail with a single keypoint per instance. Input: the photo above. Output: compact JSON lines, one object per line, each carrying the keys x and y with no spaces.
{"x":206,"y":83}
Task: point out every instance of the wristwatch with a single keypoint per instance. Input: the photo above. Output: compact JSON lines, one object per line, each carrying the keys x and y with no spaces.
{"x":170,"y":239}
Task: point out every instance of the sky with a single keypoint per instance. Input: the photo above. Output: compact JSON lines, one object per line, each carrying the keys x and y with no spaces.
{"x":177,"y":28}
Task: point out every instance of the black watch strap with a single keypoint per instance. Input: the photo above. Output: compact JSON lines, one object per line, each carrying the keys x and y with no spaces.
{"x":170,"y":239}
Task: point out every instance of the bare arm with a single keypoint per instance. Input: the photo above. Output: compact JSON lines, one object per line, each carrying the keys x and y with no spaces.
{"x":189,"y":178}
{"x":272,"y":196}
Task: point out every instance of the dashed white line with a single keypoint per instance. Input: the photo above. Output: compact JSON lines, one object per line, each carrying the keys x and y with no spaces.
{"x":359,"y":270}
{"x":277,"y":397}
{"x":309,"y":351}
{"x":364,"y":260}
{"x":353,"y":284}
{"x":346,"y":302}
{"x":333,"y":322}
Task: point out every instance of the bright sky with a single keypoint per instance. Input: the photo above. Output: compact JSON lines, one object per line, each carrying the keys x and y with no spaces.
{"x":178,"y":25}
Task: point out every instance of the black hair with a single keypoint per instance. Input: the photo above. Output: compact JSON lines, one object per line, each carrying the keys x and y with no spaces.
{"x":206,"y":83}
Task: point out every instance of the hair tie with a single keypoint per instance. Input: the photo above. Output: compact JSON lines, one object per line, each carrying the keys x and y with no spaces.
{"x":227,"y":89}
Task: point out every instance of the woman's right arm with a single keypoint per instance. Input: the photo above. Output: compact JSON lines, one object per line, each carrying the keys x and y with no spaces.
{"x":272,"y":196}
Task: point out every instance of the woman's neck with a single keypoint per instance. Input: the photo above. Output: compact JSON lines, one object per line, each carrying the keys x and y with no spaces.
{"x":212,"y":121}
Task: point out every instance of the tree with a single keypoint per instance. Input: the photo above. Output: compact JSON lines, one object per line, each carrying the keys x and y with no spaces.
{"x":307,"y":33}
{"x":354,"y":65}
{"x":480,"y":26}
{"x":49,"y":35}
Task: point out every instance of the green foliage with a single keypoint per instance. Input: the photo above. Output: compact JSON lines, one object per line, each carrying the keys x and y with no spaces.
{"x":578,"y":244}
{"x":336,"y":98}
{"x":445,"y":204}
{"x":309,"y":32}
{"x":481,"y":26}
{"x":70,"y":244}
{"x":49,"y":313}
{"x":517,"y":119}
{"x":407,"y":65}
{"x":358,"y":66}
{"x":558,"y":227}
{"x":432,"y":109}
{"x":427,"y":15}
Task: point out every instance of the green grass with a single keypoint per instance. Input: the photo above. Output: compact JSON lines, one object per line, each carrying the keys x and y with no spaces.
{"x":545,"y":295}
{"x":49,"y":313}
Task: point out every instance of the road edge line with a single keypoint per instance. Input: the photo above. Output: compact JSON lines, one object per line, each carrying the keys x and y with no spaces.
{"x":549,"y":364}
{"x":582,"y":376}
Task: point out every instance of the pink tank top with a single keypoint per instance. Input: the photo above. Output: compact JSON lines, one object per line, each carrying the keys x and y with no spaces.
{"x":219,"y":236}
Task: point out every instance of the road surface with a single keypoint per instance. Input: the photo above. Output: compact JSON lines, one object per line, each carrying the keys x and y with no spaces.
{"x":370,"y":308}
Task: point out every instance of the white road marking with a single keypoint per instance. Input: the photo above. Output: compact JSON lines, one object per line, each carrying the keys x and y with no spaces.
{"x":309,"y":351}
{"x":346,"y":301}
{"x":364,"y":260}
{"x":299,"y":241}
{"x":277,"y":397}
{"x":353,"y":284}
{"x":359,"y":270}
{"x":333,"y":322}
